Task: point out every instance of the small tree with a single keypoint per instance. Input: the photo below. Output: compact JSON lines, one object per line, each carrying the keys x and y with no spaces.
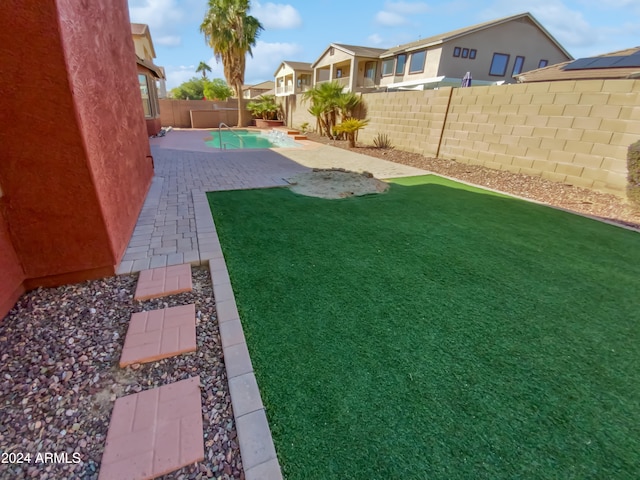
{"x":203,"y":68}
{"x":350,"y":127}
{"x":217,"y":89}
{"x":190,"y":90}
{"x":264,"y":107}
{"x":328,"y":102}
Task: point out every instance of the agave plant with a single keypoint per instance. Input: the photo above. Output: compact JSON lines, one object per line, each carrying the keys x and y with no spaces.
{"x":350,"y":127}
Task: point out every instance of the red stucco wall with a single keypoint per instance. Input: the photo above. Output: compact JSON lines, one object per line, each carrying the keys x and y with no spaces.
{"x":51,"y":204}
{"x":103,"y":75}
{"x":11,"y":274}
{"x":75,"y":164}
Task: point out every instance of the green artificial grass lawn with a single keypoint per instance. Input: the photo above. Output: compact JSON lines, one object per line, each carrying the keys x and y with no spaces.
{"x":438,"y":331}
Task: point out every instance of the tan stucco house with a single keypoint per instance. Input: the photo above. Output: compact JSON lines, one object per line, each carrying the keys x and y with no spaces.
{"x":292,"y":78}
{"x":492,"y":52}
{"x":354,"y":67}
{"x":253,"y":91}
{"x":148,"y":74}
{"x":620,"y":64}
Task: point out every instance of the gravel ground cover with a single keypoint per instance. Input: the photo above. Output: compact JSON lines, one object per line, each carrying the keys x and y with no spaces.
{"x":59,"y":378}
{"x":560,"y":195}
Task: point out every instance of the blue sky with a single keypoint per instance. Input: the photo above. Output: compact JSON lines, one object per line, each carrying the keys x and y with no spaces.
{"x":301,"y":30}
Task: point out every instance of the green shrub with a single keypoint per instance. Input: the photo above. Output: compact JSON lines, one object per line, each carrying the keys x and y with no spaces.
{"x":633,"y":175}
{"x":382,"y":140}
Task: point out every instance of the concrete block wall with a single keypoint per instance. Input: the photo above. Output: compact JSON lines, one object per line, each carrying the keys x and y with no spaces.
{"x":575,"y":132}
{"x":413,"y":120}
{"x":177,"y":113}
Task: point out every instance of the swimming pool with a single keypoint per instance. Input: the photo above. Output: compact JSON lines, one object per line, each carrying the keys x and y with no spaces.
{"x":249,"y":139}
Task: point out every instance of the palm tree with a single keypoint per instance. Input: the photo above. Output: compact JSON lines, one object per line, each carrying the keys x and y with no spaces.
{"x":204,"y":68}
{"x":328,"y":102}
{"x":231,"y":32}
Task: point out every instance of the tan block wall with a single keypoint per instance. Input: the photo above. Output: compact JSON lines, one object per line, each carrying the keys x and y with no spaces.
{"x":177,"y":113}
{"x":413,"y":120}
{"x":570,"y":132}
{"x":574,"y":132}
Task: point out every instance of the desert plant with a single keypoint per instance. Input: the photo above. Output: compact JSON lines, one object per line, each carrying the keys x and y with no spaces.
{"x":350,"y":127}
{"x":304,"y":127}
{"x":264,"y":107}
{"x":382,"y":140}
{"x":633,"y":175}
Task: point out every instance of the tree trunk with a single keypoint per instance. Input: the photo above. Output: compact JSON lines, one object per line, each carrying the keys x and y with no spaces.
{"x":241,"y":113}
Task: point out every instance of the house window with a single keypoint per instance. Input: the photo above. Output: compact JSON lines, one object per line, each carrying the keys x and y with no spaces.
{"x":331,"y":50}
{"x":400,"y":63}
{"x":465,"y":52}
{"x":517,"y":66}
{"x":456,"y":51}
{"x":387,"y":67}
{"x":543,"y":63}
{"x":417,"y":61}
{"x":339,"y":73}
{"x":499,"y":64}
{"x":144,"y":92}
{"x":472,"y":54}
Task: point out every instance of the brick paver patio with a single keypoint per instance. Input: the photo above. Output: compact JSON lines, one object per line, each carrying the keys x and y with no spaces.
{"x":163,"y":281}
{"x":159,"y":334}
{"x":154,"y":432}
{"x":170,"y":230}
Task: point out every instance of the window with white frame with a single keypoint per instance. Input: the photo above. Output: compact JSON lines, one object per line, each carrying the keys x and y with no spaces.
{"x":146,"y":97}
{"x":387,"y":66}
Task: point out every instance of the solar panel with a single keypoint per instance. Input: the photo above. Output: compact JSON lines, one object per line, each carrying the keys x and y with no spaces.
{"x":604,"y":62}
{"x":630,"y":61}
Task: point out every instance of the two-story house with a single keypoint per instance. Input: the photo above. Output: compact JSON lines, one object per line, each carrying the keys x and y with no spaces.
{"x":492,"y":52}
{"x":148,"y":75}
{"x":292,"y":78}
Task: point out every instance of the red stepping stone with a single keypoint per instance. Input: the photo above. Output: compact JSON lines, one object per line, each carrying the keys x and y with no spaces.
{"x":154,"y":432}
{"x":159,"y":334}
{"x":163,"y":281}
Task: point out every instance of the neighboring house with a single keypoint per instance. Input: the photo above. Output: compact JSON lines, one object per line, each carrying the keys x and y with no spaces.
{"x":292,"y":78}
{"x":253,"y":91}
{"x":492,"y":52}
{"x":615,"y":65}
{"x":148,"y":74}
{"x":356,"y":68}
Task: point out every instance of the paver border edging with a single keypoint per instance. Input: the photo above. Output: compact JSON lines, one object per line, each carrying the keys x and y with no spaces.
{"x":257,"y":450}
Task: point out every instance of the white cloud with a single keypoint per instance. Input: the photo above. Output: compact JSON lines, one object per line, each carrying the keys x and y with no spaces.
{"x":390,"y":19}
{"x":164,"y":18}
{"x":407,"y":8}
{"x":179,"y":75}
{"x":276,"y":15}
{"x":168,"y":41}
{"x":396,"y":14}
{"x":266,"y":58}
{"x":375,"y":39}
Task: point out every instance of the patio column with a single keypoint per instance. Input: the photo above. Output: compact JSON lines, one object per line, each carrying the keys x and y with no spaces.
{"x":354,"y":73}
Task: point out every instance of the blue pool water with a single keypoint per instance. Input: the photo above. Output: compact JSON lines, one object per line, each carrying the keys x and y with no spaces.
{"x":249,"y":139}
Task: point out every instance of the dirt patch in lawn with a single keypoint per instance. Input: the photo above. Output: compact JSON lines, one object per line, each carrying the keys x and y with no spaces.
{"x":336,"y":183}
